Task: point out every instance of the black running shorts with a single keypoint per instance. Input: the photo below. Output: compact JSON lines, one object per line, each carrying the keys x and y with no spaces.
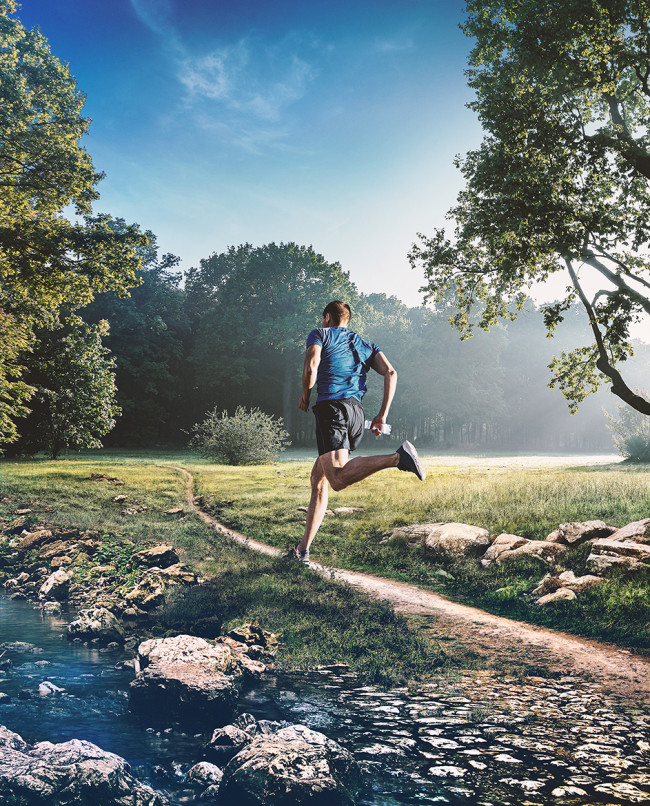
{"x":339,"y":424}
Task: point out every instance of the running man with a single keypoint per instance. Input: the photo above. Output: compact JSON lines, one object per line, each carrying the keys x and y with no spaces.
{"x":337,"y":361}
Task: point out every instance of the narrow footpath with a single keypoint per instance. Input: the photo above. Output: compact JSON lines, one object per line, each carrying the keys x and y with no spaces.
{"x":616,"y":670}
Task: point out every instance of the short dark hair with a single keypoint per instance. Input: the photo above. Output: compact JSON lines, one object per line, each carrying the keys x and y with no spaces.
{"x":339,"y":311}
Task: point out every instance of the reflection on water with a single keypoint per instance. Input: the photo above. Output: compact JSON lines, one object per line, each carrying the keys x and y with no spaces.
{"x":475,"y":740}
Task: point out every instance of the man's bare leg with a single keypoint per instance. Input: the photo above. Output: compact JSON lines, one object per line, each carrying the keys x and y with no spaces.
{"x":341,"y":471}
{"x":317,"y":505}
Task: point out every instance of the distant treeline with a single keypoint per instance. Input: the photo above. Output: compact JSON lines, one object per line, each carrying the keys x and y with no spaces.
{"x":232,"y":332}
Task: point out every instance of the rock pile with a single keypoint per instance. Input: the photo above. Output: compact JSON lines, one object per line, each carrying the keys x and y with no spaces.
{"x":628,"y":548}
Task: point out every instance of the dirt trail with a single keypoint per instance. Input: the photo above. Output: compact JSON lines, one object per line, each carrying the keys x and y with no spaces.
{"x":615,"y":670}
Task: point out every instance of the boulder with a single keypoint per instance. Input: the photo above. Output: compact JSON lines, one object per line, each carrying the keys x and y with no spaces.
{"x":157,"y":557}
{"x":292,"y":765}
{"x":204,"y":774}
{"x":446,"y":538}
{"x":561,"y":594}
{"x":73,"y":772}
{"x":150,"y":591}
{"x":609,"y":553}
{"x":33,"y":540}
{"x":187,"y":678}
{"x":56,"y":586}
{"x":549,"y":553}
{"x":578,"y":584}
{"x":501,"y":543}
{"x":638,"y":532}
{"x":575,"y":533}
{"x":97,"y":624}
{"x":549,"y":584}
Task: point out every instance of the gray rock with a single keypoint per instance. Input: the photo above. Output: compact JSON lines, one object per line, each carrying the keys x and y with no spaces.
{"x":447,"y":538}
{"x":501,"y":543}
{"x":294,"y":765}
{"x":189,"y":678}
{"x":96,"y":624}
{"x":561,"y":594}
{"x":205,"y":774}
{"x":578,"y":584}
{"x":608,"y":553}
{"x":74,"y":772}
{"x":161,"y":556}
{"x":549,"y":553}
{"x":56,"y":586}
{"x":638,"y":532}
{"x":575,"y":533}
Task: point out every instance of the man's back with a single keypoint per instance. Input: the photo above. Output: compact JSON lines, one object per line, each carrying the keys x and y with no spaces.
{"x":344,"y":362}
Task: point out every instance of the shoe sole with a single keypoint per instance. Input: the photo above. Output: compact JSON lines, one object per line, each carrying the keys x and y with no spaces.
{"x":420,"y":470}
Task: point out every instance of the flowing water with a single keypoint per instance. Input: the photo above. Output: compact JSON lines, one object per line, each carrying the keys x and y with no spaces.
{"x":472,"y":741}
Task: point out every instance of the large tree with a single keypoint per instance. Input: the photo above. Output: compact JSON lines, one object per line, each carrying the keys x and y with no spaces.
{"x":253,"y":308}
{"x":561,"y":181}
{"x":47,"y":262}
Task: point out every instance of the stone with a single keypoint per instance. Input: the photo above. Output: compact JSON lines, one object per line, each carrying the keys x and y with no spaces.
{"x":567,"y":791}
{"x":56,"y":586}
{"x":204,"y":774}
{"x":575,"y":533}
{"x":550,"y":553}
{"x":623,"y":791}
{"x":52,"y":608}
{"x":578,"y":584}
{"x":608,"y":553}
{"x":60,"y":561}
{"x":73,"y":772}
{"x":561,"y":594}
{"x":501,"y":543}
{"x":549,"y":584}
{"x":227,"y":741}
{"x":638,"y":532}
{"x":161,"y":556}
{"x":33,"y":540}
{"x":96,"y":624}
{"x":347,"y":510}
{"x":446,"y":538}
{"x":175,"y":511}
{"x":188,"y":678}
{"x":290,"y":766}
{"x":150,"y":591}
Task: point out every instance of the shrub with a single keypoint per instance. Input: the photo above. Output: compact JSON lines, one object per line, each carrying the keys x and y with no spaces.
{"x":249,"y":437}
{"x":631,"y":432}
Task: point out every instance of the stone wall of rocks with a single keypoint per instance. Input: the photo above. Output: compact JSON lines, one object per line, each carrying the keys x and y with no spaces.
{"x":626,"y":548}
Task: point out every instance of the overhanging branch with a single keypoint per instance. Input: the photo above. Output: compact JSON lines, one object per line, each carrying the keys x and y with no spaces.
{"x":618,"y":387}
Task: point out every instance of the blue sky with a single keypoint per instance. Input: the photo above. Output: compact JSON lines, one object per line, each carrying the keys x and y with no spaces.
{"x":330,"y":123}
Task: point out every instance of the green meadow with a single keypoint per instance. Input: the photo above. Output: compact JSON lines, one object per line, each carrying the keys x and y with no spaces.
{"x":322,"y":622}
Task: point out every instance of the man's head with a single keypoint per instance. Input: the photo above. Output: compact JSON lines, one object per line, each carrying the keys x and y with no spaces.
{"x":336,"y":314}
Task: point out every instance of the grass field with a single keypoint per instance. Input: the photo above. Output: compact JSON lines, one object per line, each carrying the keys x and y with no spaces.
{"x":523,"y":495}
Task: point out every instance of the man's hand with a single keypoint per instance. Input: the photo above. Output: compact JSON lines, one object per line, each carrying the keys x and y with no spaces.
{"x":303,"y":404}
{"x":376,"y":424}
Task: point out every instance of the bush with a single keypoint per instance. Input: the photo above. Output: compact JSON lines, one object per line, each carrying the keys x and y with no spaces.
{"x":631,"y":432}
{"x":249,"y":437}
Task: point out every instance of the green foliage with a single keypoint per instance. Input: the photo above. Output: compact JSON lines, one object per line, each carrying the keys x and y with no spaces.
{"x":248,"y":437}
{"x":74,"y":403}
{"x":631,"y":433}
{"x":561,"y":177}
{"x":46,"y":261}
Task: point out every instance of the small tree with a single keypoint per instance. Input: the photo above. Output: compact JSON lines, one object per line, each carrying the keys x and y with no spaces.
{"x":74,"y":403}
{"x":631,"y":432}
{"x":249,"y":437}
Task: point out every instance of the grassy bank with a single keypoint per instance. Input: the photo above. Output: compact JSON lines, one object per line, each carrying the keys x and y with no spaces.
{"x":513,"y":496}
{"x":319,"y":622}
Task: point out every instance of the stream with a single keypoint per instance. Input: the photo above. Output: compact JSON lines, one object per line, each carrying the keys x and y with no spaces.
{"x":469,"y":739}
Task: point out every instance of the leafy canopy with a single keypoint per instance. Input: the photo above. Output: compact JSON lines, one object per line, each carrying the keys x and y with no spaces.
{"x":560,"y":181}
{"x":46,"y":261}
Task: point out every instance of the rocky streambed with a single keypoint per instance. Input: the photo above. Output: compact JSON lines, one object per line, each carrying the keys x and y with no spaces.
{"x":469,"y":738}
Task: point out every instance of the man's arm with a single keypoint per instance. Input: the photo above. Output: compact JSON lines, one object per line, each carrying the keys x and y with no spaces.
{"x":309,"y":372}
{"x":383,"y":366}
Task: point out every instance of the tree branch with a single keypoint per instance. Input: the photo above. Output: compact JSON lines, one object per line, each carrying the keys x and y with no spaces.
{"x":617,"y":280}
{"x":619,"y":387}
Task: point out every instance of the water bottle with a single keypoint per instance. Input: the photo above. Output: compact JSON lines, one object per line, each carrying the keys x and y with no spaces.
{"x":385,"y":429}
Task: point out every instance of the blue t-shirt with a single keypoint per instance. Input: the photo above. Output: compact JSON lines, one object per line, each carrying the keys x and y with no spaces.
{"x":344,"y":362}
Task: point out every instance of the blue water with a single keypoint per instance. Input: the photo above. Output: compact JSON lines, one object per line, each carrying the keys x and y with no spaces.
{"x":94,"y":706}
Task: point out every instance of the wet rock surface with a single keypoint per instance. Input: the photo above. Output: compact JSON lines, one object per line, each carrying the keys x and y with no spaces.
{"x":73,"y":772}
